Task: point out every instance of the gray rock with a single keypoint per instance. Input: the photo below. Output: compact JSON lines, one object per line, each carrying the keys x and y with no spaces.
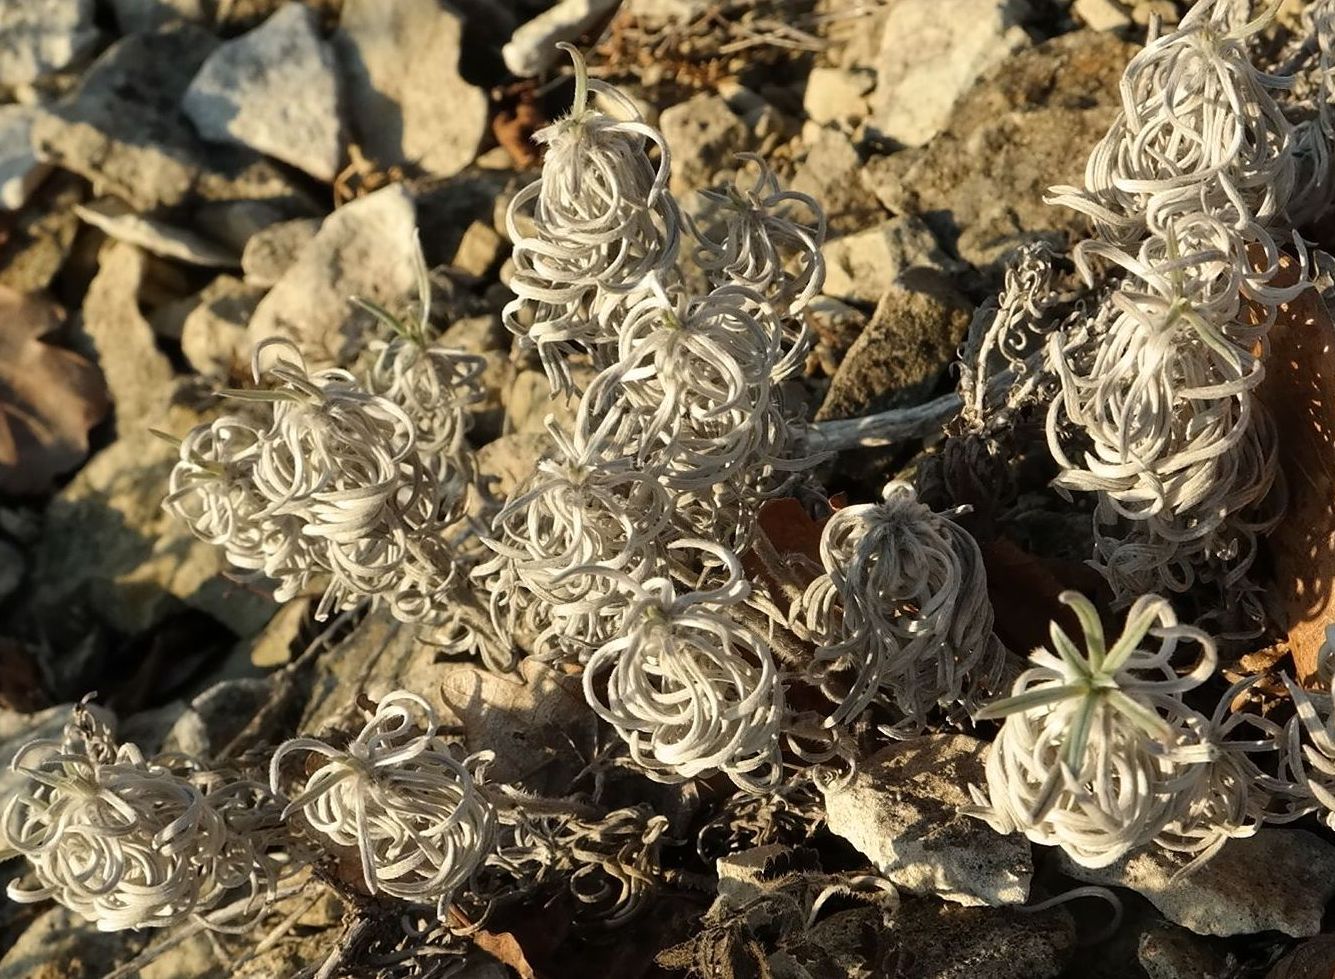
{"x":213,"y":337}
{"x":61,"y":945}
{"x":214,"y":718}
{"x":532,"y":48}
{"x":113,"y":219}
{"x":141,"y":16}
{"x":928,"y":61}
{"x":902,"y":811}
{"x":234,"y":223}
{"x":946,"y":941}
{"x":742,"y":874}
{"x":122,"y":130}
{"x":407,"y":101}
{"x":20,"y":169}
{"x":41,"y":235}
{"x":272,"y":251}
{"x":1168,"y":952}
{"x":12,"y":569}
{"x":529,"y":400}
{"x":831,"y":173}
{"x":479,"y":250}
{"x":506,"y":462}
{"x":704,"y":134}
{"x":107,"y":542}
{"x":837,"y":326}
{"x":838,"y":95}
{"x":860,"y":267}
{"x":901,"y":356}
{"x":1102,"y":15}
{"x":274,"y":90}
{"x":1030,"y":124}
{"x":139,"y":377}
{"x":38,"y":37}
{"x":1277,"y":880}
{"x":365,"y":248}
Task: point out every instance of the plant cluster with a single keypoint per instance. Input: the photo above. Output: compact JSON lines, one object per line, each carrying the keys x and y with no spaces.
{"x":633,"y":554}
{"x":1191,"y":193}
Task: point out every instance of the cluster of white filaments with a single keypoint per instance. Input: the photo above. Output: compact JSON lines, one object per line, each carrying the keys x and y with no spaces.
{"x":399,"y":797}
{"x":1098,"y":754}
{"x":903,"y":609}
{"x":619,"y":554}
{"x":346,"y":485}
{"x":1189,"y":192}
{"x":677,"y":440}
{"x":130,"y":842}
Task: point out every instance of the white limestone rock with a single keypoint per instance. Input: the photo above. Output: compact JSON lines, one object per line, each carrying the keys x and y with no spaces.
{"x":407,"y":102}
{"x":38,"y":37}
{"x":927,"y":60}
{"x":364,"y":248}
{"x":20,"y":168}
{"x":275,"y":90}
{"x":901,"y":809}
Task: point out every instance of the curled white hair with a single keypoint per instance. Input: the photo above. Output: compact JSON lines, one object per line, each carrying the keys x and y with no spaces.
{"x":690,"y":689}
{"x":1097,"y":751}
{"x":414,"y":813}
{"x":127,"y":842}
{"x":901,"y":612}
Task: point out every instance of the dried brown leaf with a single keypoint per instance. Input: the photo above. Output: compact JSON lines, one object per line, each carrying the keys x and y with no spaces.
{"x":1299,"y":390}
{"x":1024,"y":590}
{"x":49,"y":397}
{"x":504,"y":947}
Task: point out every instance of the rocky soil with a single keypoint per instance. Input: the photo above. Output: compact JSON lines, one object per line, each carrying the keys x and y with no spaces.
{"x":182,"y":178}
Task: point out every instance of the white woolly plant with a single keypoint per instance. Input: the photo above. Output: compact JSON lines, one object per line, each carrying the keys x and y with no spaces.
{"x":678,"y":439}
{"x":397,"y":794}
{"x":596,"y":227}
{"x":690,"y":689}
{"x":356,"y":487}
{"x":1097,"y":753}
{"x":901,"y":612}
{"x":130,"y":842}
{"x":1190,"y":192}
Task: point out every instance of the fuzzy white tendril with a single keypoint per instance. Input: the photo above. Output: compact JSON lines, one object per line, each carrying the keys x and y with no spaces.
{"x":128,"y":842}
{"x":1097,"y":753}
{"x":689,"y":689}
{"x":333,"y":487}
{"x":397,"y":795}
{"x":597,"y":226}
{"x":902,"y":610}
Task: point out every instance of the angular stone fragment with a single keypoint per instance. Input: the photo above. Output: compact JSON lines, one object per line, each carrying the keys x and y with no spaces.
{"x":901,"y":356}
{"x":20,"y":169}
{"x":928,"y":61}
{"x":365,"y":249}
{"x":860,"y":267}
{"x":274,"y":90}
{"x":946,"y":941}
{"x":1027,"y":125}
{"x":1277,"y":880}
{"x":901,"y":809}
{"x":408,"y":102}
{"x":122,"y":129}
{"x":38,"y":37}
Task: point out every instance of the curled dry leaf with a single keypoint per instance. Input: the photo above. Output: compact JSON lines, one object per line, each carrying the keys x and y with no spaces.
{"x":49,"y":397}
{"x":1299,"y":390}
{"x":1313,"y":959}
